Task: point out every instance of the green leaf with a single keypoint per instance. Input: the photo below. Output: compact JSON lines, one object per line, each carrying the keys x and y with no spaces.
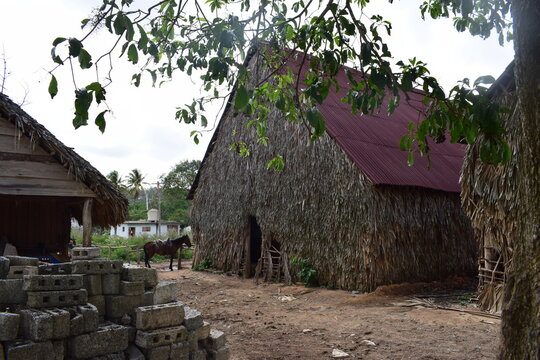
{"x":410,"y":158}
{"x":133,"y":54}
{"x":242,"y":98}
{"x":119,"y":24}
{"x":316,"y":120}
{"x":83,"y":100}
{"x":58,"y":40}
{"x":486,"y":79}
{"x":53,"y":87}
{"x":277,"y":163}
{"x":85,"y":59}
{"x":75,"y":47}
{"x":100,"y":121}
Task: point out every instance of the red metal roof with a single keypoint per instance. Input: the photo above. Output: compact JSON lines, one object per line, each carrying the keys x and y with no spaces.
{"x":372,"y":142}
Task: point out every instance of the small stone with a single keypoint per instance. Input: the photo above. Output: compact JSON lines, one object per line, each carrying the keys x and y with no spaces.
{"x":336,"y":353}
{"x":367,"y":343}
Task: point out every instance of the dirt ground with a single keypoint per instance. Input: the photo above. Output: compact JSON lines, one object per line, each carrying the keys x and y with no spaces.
{"x":273,"y":321}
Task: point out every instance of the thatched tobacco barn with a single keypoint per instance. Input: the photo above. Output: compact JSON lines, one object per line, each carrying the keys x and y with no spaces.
{"x":348,"y":202}
{"x":489,"y":199}
{"x":43,"y":184}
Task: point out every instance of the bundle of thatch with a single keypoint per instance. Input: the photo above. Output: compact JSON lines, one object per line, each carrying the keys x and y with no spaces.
{"x":488,"y":197}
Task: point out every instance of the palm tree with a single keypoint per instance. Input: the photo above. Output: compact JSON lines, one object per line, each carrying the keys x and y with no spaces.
{"x":116,"y":180}
{"x":135,"y":183}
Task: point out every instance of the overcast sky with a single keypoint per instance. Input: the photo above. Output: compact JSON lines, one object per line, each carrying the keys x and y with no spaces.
{"x":142,"y":132}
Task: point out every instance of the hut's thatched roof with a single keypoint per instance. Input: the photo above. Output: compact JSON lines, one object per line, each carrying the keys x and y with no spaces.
{"x":371,"y":141}
{"x":110,"y":206}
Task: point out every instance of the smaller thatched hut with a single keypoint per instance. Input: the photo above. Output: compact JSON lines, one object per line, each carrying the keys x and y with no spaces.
{"x":488,"y":197}
{"x":348,"y":203}
{"x":43,"y":184}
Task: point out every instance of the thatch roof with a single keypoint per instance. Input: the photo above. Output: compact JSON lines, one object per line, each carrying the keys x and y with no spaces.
{"x":110,"y":206}
{"x":488,"y":197}
{"x":371,"y":141}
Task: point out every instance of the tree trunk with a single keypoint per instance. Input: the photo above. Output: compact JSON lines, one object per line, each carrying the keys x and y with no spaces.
{"x":87,"y":223}
{"x":521,"y":316}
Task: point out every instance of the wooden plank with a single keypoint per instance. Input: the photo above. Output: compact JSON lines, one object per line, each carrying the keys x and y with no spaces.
{"x":11,"y":131}
{"x":48,"y":187}
{"x":21,"y":145}
{"x":4,"y":156}
{"x":26,"y":169}
{"x":87,"y":223}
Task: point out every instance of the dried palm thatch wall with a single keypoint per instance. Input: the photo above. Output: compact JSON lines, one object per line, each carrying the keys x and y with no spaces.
{"x":488,"y":198}
{"x":322,"y":208}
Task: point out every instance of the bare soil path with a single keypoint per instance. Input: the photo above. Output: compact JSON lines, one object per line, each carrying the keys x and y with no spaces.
{"x":272,"y":321}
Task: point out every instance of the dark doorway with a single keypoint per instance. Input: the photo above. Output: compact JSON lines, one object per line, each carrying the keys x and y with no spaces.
{"x":255,"y":243}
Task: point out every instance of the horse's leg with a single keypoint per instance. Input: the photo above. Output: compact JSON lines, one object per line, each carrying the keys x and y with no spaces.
{"x":146,"y":258}
{"x":170,"y":265}
{"x":180,"y":257}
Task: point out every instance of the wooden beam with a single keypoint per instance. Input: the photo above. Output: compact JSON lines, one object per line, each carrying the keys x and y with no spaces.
{"x":26,"y":157}
{"x":87,"y":222}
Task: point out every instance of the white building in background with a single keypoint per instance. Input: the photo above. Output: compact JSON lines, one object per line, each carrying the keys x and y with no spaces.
{"x":149,"y":227}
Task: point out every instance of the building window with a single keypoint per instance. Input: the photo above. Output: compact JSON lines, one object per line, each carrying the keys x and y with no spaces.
{"x":123,"y":228}
{"x":146,"y":228}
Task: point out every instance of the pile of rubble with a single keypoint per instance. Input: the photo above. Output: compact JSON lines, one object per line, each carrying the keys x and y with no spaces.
{"x":94,"y":308}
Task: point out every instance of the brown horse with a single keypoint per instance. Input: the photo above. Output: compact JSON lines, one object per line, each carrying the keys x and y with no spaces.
{"x":167,"y":247}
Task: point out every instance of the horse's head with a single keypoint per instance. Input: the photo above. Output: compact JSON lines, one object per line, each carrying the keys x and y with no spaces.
{"x":182,"y":240}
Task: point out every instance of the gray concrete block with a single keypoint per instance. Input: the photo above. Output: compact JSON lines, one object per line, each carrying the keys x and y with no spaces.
{"x":22,"y":261}
{"x":110,"y":284}
{"x":220,"y":354}
{"x":99,"y":302}
{"x":132,"y":333}
{"x":36,"y":325}
{"x":164,"y":292}
{"x":157,"y":353}
{"x":18,"y":272}
{"x":76,"y":324}
{"x":44,"y":299}
{"x":85,"y":253}
{"x":61,"y":322}
{"x":199,"y":354}
{"x":117,"y":306}
{"x":203,"y":332}
{"x":193,"y":318}
{"x":59,"y":349}
{"x":4,"y":267}
{"x":52,"y":282}
{"x":108,"y":339}
{"x":54,"y":269}
{"x":160,"y":337}
{"x":9,"y":326}
{"x":149,"y":276}
{"x":133,"y":353}
{"x":216,"y":340}
{"x":11,"y":292}
{"x":92,"y":284}
{"x":159,"y":316}
{"x":90,"y":315}
{"x":115,"y":356}
{"x":180,"y":351}
{"x":131,"y":287}
{"x":93,"y":267}
{"x":29,"y":350}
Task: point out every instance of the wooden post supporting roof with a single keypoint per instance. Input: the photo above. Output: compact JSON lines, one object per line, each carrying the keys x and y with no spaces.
{"x":87,"y":223}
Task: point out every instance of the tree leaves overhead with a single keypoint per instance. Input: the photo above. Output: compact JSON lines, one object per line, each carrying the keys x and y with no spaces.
{"x":213,"y":40}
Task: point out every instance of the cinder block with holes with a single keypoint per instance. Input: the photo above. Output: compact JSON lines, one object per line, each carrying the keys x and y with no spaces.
{"x":193,"y":318}
{"x":11,"y":292}
{"x":165,"y":292}
{"x":108,"y":339}
{"x":158,"y":353}
{"x":180,"y":351}
{"x":59,"y":349}
{"x":85,"y":253}
{"x":28,"y":350}
{"x":52,"y":282}
{"x":9,"y":326}
{"x":36,"y":325}
{"x":117,"y":306}
{"x":198,"y":354}
{"x":54,"y":269}
{"x":61,"y":322}
{"x":93,"y":267}
{"x":215,"y":340}
{"x":4,"y":267}
{"x":161,"y":337}
{"x":110,"y":284}
{"x":159,"y":316}
{"x":46,"y":299}
{"x":202,"y":332}
{"x":99,"y":302}
{"x":131,"y":287}
{"x":90,"y":315}
{"x":22,"y":260}
{"x":19,"y":271}
{"x":92,"y":284}
{"x":149,"y":276}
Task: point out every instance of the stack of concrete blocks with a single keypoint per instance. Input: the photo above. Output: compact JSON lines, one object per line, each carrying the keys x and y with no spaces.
{"x":94,"y":308}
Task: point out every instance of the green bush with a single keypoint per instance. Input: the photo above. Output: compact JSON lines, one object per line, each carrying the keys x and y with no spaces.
{"x":205,"y":264}
{"x":304,"y":271}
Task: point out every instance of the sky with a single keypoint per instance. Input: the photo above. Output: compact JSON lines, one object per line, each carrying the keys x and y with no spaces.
{"x":142,"y":132}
